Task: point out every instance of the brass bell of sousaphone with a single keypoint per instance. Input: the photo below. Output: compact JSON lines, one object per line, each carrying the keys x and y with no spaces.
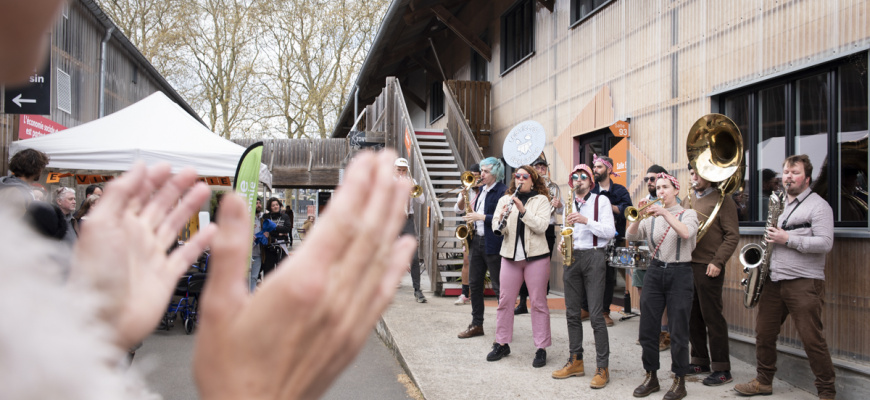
{"x":715,"y":149}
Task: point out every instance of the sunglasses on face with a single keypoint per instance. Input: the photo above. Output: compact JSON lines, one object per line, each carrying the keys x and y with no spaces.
{"x":579,"y":177}
{"x":649,"y":179}
{"x":519,"y":175}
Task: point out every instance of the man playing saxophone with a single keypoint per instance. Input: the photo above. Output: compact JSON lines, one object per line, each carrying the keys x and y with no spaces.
{"x":708,"y":265}
{"x":592,"y":219}
{"x":459,"y":209}
{"x":796,"y":283}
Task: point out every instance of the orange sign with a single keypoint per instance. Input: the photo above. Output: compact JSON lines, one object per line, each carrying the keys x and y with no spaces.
{"x":407,"y":141}
{"x":620,"y":129}
{"x":92,"y":179}
{"x":54,"y":177}
{"x":216,"y":180}
{"x":619,"y":154}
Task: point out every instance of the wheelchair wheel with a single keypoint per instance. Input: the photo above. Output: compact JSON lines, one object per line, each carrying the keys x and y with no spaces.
{"x":189,"y":325}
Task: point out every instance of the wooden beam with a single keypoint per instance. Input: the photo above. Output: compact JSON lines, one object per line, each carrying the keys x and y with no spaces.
{"x":548,"y":4}
{"x":429,"y":67}
{"x":418,"y":13}
{"x":463,"y":31}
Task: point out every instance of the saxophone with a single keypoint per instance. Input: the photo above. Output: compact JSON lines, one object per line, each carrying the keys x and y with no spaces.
{"x":755,"y":257}
{"x":567,"y":233}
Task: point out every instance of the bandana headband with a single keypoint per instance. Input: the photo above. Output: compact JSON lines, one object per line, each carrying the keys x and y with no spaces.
{"x":673,"y":180}
{"x":595,"y":159}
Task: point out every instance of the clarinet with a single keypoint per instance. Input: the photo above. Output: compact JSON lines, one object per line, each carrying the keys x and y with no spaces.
{"x":503,"y":223}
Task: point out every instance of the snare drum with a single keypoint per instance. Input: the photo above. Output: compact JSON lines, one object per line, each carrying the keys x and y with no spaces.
{"x":641,"y":258}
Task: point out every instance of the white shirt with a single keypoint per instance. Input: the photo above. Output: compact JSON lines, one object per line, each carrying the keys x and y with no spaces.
{"x":604,"y":228}
{"x":478,"y":207}
{"x":461,"y":211}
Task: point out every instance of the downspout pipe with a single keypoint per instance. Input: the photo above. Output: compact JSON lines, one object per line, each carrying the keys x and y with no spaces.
{"x":103,"y":61}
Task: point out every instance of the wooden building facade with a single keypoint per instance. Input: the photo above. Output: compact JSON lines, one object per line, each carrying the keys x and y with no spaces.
{"x":76,"y":59}
{"x":793,"y":75}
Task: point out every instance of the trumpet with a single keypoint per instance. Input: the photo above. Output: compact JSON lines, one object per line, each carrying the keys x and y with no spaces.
{"x":416,"y":191}
{"x":633,"y":214}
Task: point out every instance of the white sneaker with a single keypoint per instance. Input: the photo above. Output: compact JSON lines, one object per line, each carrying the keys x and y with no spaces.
{"x":462,"y":300}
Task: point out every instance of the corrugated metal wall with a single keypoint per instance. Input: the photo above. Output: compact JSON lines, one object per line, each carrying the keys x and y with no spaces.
{"x":661,"y":59}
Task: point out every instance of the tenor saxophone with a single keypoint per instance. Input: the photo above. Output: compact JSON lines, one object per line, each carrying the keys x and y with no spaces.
{"x":755,"y":257}
{"x":567,"y":233}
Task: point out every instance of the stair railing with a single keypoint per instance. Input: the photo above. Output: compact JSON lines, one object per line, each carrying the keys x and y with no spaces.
{"x":459,"y":135}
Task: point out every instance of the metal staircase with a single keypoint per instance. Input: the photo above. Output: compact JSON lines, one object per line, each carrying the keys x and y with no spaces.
{"x":444,"y":172}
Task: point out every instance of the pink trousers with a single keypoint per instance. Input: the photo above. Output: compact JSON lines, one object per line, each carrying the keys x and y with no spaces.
{"x":536,"y":275}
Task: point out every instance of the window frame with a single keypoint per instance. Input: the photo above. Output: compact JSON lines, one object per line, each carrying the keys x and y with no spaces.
{"x":436,"y":101}
{"x":528,"y":28}
{"x":576,"y":20}
{"x":790,"y":82}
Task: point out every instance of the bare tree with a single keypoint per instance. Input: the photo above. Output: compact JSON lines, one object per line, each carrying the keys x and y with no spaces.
{"x":316,"y":50}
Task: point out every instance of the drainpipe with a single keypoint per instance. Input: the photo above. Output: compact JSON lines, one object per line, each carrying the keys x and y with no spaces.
{"x":102,"y":105}
{"x":355,"y":102}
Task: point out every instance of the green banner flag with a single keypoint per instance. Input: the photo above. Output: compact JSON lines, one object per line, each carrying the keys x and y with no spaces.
{"x":246,"y":180}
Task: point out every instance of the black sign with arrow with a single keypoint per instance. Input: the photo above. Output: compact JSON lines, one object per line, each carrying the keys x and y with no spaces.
{"x":33,"y":98}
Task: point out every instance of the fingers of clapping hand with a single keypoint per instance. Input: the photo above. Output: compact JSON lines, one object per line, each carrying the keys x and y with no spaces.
{"x":225,"y":290}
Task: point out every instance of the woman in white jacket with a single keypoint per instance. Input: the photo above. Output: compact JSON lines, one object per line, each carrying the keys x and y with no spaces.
{"x":525,"y":257}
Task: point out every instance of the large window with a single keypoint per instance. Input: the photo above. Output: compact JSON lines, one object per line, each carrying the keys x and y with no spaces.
{"x":797,"y":115}
{"x":582,"y":9}
{"x":517,"y":34}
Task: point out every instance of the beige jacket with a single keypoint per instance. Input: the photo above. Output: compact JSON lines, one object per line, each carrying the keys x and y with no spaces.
{"x":537,"y":219}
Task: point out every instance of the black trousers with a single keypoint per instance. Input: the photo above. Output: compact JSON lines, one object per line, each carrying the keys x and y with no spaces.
{"x":479,"y":264}
{"x":550,"y":234}
{"x":707,"y":321}
{"x":666,"y":285}
{"x":272,"y":255}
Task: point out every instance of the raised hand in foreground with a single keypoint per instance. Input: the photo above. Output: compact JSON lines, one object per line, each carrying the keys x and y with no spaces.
{"x":303,"y":326}
{"x":121,"y":251}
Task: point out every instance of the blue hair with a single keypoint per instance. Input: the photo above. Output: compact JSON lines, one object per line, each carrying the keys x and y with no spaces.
{"x":497,"y":167}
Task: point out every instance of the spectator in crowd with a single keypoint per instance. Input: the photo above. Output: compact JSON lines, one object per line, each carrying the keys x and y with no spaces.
{"x":82,"y":213}
{"x":256,"y":248}
{"x":90,"y":190}
{"x":277,"y":248}
{"x":38,"y":192}
{"x":306,"y":226}
{"x":65,"y":199}
{"x":26,"y":166}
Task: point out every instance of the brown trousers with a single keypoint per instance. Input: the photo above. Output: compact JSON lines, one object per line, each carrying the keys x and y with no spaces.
{"x":803,"y":299}
{"x":707,"y":321}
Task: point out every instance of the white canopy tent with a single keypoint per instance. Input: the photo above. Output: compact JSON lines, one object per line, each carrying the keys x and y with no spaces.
{"x":153,"y":130}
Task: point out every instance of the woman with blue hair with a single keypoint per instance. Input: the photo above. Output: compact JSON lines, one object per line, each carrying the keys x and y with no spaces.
{"x":485,"y":245}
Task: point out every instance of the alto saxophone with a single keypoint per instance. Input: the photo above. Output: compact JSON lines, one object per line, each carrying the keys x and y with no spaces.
{"x":755,"y":257}
{"x":567,"y":233}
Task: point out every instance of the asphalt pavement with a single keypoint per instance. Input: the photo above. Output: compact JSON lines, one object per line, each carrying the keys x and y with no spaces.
{"x":166,"y":358}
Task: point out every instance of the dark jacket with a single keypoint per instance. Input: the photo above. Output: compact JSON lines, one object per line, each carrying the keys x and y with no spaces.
{"x":284,"y":226}
{"x":619,"y":197}
{"x":492,"y":242}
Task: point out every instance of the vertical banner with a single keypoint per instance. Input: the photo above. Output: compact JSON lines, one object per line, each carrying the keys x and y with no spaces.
{"x":246,"y":180}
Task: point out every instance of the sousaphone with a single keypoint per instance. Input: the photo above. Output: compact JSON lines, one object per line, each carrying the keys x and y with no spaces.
{"x":715,"y":150}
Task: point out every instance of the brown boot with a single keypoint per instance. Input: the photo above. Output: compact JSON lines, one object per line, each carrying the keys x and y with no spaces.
{"x":472,"y":331}
{"x":650,"y":385}
{"x":664,"y":341}
{"x":607,"y":320}
{"x":574,"y":367}
{"x":753,"y":388}
{"x":678,"y":389}
{"x":584,"y":315}
{"x":602,"y":376}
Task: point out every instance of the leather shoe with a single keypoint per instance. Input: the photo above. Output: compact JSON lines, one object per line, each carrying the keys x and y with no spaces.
{"x":472,"y":331}
{"x":753,"y":388}
{"x":607,"y":320}
{"x":498,"y":352}
{"x":584,"y":315}
{"x":650,"y":385}
{"x":521,"y":309}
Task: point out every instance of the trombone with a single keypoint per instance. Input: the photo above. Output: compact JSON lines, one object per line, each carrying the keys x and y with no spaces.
{"x":467,"y":180}
{"x":416,"y":191}
{"x":636,"y":214}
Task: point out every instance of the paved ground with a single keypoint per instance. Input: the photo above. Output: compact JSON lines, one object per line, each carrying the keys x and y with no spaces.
{"x":445,"y":367}
{"x":375,"y":374}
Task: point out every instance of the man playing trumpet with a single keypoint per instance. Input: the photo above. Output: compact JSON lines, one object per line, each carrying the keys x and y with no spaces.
{"x":592,"y":220}
{"x":402,"y":173}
